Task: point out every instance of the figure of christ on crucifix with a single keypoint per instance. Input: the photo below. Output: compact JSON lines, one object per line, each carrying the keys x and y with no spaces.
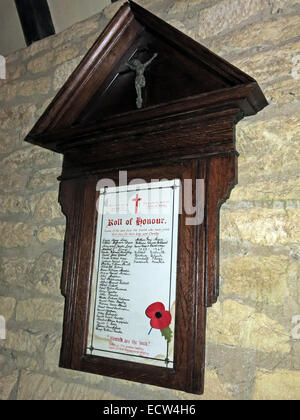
{"x":140,"y":81}
{"x":136,"y":199}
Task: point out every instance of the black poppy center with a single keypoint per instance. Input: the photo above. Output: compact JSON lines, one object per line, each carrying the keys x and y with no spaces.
{"x":158,"y":315}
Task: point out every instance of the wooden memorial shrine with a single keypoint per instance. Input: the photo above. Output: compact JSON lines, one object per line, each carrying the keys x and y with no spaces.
{"x":146,"y":126}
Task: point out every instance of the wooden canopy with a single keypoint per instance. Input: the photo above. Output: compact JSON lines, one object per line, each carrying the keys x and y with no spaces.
{"x":98,"y":101}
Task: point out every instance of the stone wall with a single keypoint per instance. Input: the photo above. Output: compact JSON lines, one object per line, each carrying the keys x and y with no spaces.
{"x":251,"y":351}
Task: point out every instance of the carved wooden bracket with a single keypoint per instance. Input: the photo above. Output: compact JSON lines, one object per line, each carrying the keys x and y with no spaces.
{"x":185,"y":129}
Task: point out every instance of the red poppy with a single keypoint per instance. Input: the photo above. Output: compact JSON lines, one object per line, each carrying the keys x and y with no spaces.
{"x":160,"y":318}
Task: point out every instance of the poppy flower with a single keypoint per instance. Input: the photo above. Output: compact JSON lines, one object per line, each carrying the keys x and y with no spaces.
{"x":160,"y":318}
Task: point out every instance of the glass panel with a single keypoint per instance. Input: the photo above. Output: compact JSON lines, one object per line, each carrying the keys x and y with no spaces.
{"x":132,"y":313}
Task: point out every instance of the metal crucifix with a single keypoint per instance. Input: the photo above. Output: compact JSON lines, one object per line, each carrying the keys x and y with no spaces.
{"x":140,"y":81}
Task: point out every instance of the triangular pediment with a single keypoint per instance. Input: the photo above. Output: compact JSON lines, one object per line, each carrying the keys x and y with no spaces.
{"x":170,"y":77}
{"x":182,"y":77}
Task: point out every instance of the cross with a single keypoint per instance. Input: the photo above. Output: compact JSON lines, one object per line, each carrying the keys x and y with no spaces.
{"x":140,"y":80}
{"x":136,"y":199}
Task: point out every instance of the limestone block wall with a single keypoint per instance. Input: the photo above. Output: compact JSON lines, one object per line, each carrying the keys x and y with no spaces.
{"x":253,"y":349}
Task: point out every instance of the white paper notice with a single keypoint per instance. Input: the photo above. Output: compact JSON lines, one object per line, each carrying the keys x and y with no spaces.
{"x":132,"y":311}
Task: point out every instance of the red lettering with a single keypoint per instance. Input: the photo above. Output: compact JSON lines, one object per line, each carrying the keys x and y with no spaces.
{"x":140,"y":221}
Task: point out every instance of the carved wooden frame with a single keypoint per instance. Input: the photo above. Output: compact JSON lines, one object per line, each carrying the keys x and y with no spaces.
{"x":193,"y":138}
